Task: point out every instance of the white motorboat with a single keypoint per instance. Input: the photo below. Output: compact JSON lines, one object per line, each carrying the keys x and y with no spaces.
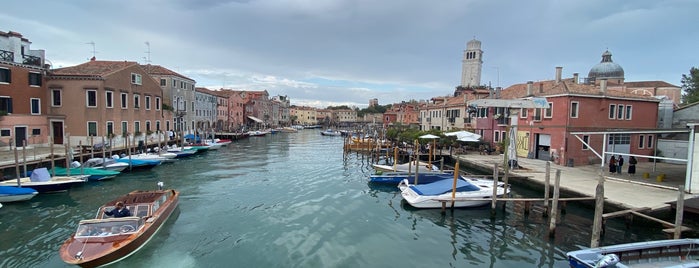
{"x":330,"y":132}
{"x":165,"y":157}
{"x":657,"y":253}
{"x":405,"y":167}
{"x":105,"y":163}
{"x":41,"y":181}
{"x":470,"y":192}
{"x":14,"y":194}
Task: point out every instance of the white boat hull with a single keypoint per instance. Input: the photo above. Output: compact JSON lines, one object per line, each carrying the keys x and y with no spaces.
{"x":406,"y":167}
{"x":469,"y":199}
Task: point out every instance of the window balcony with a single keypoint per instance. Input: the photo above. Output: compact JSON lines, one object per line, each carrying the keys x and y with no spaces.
{"x":32,"y":60}
{"x":7,"y":55}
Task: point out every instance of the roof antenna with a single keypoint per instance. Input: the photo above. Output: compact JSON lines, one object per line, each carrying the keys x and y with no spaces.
{"x":94,"y":52}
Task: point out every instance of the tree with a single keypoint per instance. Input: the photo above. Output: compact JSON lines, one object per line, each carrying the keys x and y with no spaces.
{"x":690,"y":86}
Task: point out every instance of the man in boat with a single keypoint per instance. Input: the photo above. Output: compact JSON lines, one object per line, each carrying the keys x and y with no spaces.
{"x":119,"y":211}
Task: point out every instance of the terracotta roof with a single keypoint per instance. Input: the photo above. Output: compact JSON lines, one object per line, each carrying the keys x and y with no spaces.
{"x":210,"y":92}
{"x":93,"y":68}
{"x":565,"y":87}
{"x":160,"y":70}
{"x":653,"y":84}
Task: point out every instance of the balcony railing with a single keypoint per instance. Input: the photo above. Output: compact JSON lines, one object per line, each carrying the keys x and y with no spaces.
{"x":180,"y":113}
{"x":7,"y":55}
{"x":32,"y":60}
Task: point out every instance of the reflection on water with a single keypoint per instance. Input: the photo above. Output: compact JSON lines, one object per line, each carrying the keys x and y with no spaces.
{"x":294,"y":200}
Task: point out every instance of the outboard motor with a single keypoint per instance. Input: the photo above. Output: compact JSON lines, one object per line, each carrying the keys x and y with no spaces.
{"x":75,"y":164}
{"x":609,"y":260}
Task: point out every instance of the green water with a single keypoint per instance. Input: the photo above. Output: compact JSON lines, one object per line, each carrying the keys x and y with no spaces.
{"x":294,"y":200}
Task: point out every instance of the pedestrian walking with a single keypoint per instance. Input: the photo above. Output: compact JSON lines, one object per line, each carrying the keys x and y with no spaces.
{"x":619,"y":164}
{"x":612,"y":164}
{"x":632,"y":165}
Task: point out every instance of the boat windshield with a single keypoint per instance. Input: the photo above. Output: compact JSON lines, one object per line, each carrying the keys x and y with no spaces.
{"x":108,"y":227}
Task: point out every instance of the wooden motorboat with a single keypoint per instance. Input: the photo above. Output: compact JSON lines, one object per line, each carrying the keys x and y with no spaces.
{"x":105,"y":240}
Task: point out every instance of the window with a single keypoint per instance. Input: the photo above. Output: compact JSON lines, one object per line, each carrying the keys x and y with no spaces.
{"x":55,"y":97}
{"x":537,"y":114}
{"x":147,"y":102}
{"x":35,"y":104}
{"x":174,"y":82}
{"x":523,"y":112}
{"x":620,"y":112}
{"x":586,"y":141}
{"x":612,"y":111}
{"x":548,"y":112}
{"x":136,"y":101}
{"x":157,"y":103}
{"x":496,"y":138}
{"x":6,"y":104}
{"x":650,"y":142}
{"x":137,"y":127}
{"x":92,"y":128}
{"x":5,"y":76}
{"x":36,"y":131}
{"x":124,"y":99}
{"x":148,"y":126}
{"x":91,"y":96}
{"x":628,"y":112}
{"x":167,"y":125}
{"x":124,"y":127}
{"x":157,"y":125}
{"x":110,"y":128}
{"x":135,"y":79}
{"x":163,"y":82}
{"x":482,"y":112}
{"x":574,"y":110}
{"x":34,"y":79}
{"x":193,"y":108}
{"x":5,"y":132}
{"x":109,"y":97}
{"x":181,"y":84}
{"x":641,"y":141}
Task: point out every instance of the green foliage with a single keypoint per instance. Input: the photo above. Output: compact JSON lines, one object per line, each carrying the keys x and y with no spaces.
{"x":378,"y":109}
{"x":690,"y":86}
{"x":341,"y":107}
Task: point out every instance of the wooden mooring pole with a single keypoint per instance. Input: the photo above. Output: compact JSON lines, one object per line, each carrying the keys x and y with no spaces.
{"x":679,"y":211}
{"x":597,"y":223}
{"x":554,"y":205}
{"x":547,"y":186}
{"x":493,"y":202}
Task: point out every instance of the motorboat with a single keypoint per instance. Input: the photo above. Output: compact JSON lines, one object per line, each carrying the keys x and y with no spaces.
{"x":181,"y":152}
{"x":256,"y":133}
{"x":135,"y":163}
{"x":106,"y":164}
{"x":41,"y":181}
{"x":407,"y":167}
{"x":94,"y":174}
{"x":422,"y":178}
{"x":657,"y":253}
{"x":289,"y":130}
{"x":330,"y":132}
{"x":105,"y":240}
{"x":15,"y":194}
{"x":164,"y":157}
{"x":470,"y":192}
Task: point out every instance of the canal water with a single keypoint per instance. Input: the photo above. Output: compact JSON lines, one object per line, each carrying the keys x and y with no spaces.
{"x":294,"y":200}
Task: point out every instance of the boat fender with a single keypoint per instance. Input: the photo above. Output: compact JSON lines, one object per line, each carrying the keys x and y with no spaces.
{"x":608,"y":260}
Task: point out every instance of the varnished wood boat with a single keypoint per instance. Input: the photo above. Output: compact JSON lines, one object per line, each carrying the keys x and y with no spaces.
{"x":105,"y":240}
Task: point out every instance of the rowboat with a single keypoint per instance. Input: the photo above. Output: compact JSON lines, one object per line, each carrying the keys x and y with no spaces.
{"x":106,"y":240}
{"x":656,"y":253}
{"x":469,"y":192}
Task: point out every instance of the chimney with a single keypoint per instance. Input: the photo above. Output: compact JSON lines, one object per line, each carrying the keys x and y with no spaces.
{"x":559,"y":70}
{"x":497,"y":92}
{"x":490,"y":93}
{"x":575,"y":78}
{"x":541,"y":87}
{"x":529,"y":88}
{"x":603,"y":86}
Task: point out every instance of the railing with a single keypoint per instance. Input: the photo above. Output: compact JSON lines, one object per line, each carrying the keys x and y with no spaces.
{"x":32,"y":60}
{"x":180,"y":113}
{"x":7,"y":55}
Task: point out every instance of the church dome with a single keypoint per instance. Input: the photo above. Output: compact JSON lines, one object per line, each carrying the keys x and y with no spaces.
{"x":473,"y":44}
{"x":606,"y":68}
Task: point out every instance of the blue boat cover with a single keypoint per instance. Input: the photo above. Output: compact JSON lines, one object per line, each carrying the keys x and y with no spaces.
{"x":443,"y":186}
{"x":11,"y":190}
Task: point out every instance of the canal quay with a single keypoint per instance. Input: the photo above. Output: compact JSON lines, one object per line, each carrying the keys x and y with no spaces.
{"x":298,"y":200}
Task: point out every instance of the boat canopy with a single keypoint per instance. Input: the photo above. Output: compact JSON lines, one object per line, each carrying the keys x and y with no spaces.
{"x":255,"y":119}
{"x":444,"y":186}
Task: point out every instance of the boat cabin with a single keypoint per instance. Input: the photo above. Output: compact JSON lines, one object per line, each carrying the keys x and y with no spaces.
{"x":105,"y":229}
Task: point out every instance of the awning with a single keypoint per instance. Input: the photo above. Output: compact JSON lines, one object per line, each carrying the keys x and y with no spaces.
{"x":255,"y":119}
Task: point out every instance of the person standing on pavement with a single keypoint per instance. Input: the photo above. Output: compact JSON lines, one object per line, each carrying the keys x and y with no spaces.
{"x":619,"y":164}
{"x":612,"y":164}
{"x":632,"y":165}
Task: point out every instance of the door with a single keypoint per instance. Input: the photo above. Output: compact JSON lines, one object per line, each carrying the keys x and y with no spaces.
{"x":20,"y":136}
{"x":57,"y":132}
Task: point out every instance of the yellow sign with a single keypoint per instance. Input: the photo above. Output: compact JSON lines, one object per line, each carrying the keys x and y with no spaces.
{"x":522,"y":143}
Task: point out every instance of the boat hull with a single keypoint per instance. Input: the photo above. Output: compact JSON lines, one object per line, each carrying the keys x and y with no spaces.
{"x":463,"y":199}
{"x":56,"y":184}
{"x":658,"y":253}
{"x":115,"y":251}
{"x":16,"y":194}
{"x":397,"y":177}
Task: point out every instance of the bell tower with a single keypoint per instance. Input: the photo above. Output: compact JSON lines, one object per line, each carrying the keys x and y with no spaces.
{"x":472,"y":64}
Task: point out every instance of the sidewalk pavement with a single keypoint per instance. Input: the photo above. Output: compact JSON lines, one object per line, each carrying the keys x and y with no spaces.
{"x":621,"y":190}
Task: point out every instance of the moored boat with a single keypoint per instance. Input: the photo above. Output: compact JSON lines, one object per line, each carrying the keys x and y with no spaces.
{"x":106,"y":164}
{"x":422,"y":178}
{"x":94,"y":174}
{"x":139,"y":163}
{"x":15,"y":194}
{"x":470,"y":192}
{"x":657,"y":253}
{"x":105,"y":240}
{"x":405,"y":167}
{"x":41,"y":181}
{"x":330,"y":132}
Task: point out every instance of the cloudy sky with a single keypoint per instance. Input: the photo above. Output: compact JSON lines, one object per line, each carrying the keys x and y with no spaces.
{"x":334,"y":52}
